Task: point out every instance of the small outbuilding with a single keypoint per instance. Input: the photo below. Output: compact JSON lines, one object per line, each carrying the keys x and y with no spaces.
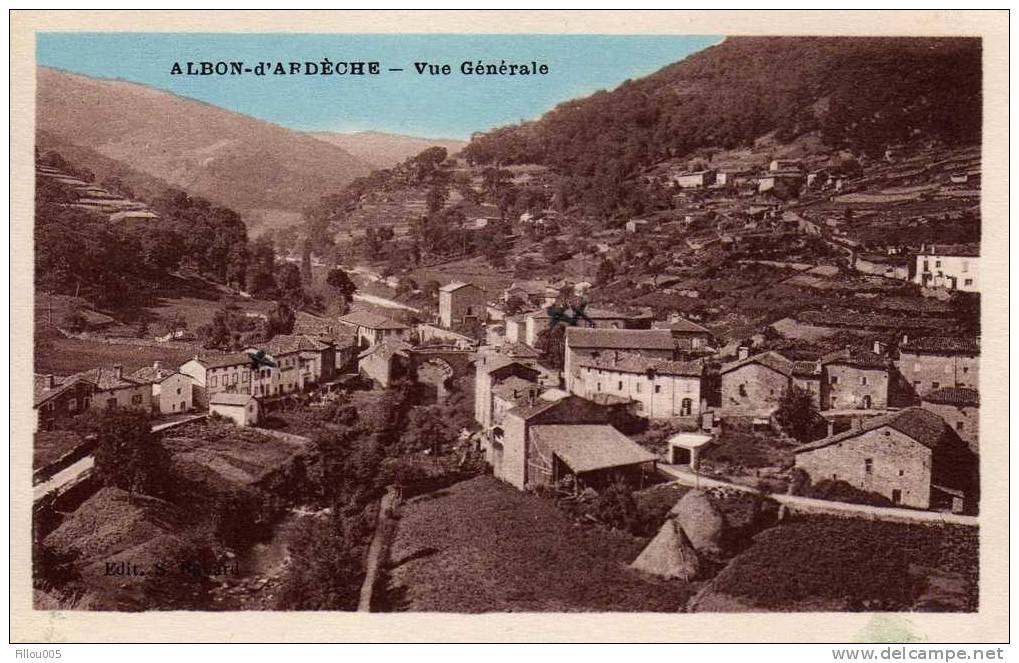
{"x":242,"y":408}
{"x":686,"y":448}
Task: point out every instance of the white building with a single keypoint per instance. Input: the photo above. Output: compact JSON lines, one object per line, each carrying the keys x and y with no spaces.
{"x":171,"y":389}
{"x":243,"y":409}
{"x":659,"y":388}
{"x":949,"y":267}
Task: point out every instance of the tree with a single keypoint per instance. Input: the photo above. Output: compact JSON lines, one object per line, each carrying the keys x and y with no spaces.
{"x":281,"y":320}
{"x":798,"y":414}
{"x":552,"y":342}
{"x":325,"y":570}
{"x":606,"y":271}
{"x":340,"y":281}
{"x":617,"y":508}
{"x":128,"y":456}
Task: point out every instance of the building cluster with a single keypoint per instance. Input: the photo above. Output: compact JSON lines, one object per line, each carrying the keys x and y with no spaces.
{"x":902,"y":422}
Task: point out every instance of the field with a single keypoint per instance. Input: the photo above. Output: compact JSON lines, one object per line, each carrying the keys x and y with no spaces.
{"x":825,"y":563}
{"x":501,"y":550}
{"x":475,"y":270}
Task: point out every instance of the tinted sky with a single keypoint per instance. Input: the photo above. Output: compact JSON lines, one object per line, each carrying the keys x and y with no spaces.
{"x":398,"y":102}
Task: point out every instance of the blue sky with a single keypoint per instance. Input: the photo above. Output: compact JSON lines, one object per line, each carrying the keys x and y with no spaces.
{"x":397,"y":102}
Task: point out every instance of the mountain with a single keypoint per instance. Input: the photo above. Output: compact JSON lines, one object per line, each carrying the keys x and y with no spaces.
{"x":386,"y":150}
{"x":859,"y":94}
{"x":265,"y":171}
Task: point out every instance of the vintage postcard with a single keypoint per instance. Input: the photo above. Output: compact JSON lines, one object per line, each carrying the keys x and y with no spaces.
{"x":652,"y":326}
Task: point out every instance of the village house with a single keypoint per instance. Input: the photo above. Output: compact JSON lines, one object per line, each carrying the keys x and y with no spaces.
{"x":960,"y":408}
{"x":313,"y":357}
{"x":59,"y":398}
{"x":782,"y":183}
{"x":531,"y":293}
{"x":537,"y":321}
{"x":911,"y":457}
{"x":492,"y":366}
{"x":544,"y":442}
{"x":385,"y":361}
{"x":700,"y":179}
{"x":732,"y":177}
{"x":113,"y":389}
{"x":780,"y":165}
{"x":243,"y":409}
{"x":929,"y":363}
{"x":460,"y":303}
{"x":213,"y":374}
{"x":371,"y":328}
{"x":690,"y":336}
{"x":854,"y":379}
{"x":754,"y":385}
{"x":171,"y":389}
{"x":657,"y":388}
{"x":949,"y":267}
{"x":634,"y":225}
{"x":588,"y":343}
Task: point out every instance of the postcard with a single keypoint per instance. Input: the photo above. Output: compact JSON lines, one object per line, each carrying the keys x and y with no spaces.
{"x":509,"y":326}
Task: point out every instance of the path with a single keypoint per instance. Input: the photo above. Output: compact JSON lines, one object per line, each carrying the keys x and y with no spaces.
{"x":382,"y":301}
{"x":799,"y":503}
{"x":378,"y":550}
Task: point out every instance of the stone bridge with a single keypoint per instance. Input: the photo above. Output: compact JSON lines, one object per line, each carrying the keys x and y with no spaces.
{"x":453,"y":362}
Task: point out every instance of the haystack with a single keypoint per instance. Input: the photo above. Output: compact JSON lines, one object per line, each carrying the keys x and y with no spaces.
{"x":669,"y":554}
{"x":702,"y":522}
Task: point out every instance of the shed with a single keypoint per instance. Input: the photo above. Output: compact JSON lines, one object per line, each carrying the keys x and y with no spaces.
{"x":593,"y":453}
{"x":685,"y":448}
{"x":242,"y":408}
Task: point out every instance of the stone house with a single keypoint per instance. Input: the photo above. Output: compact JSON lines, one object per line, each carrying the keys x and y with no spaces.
{"x":948,"y":267}
{"x":694,"y":180}
{"x":59,"y":398}
{"x":690,"y":336}
{"x":243,"y":409}
{"x":960,"y":408}
{"x":854,"y":379}
{"x":657,"y":388}
{"x":460,"y":303}
{"x":753,"y":385}
{"x":537,"y":321}
{"x":591,"y":343}
{"x":171,"y":389}
{"x":910,"y":456}
{"x":212,"y":374}
{"x":929,"y":363}
{"x":386,"y":361}
{"x":491,"y":368}
{"x":113,"y":389}
{"x":372,"y":328}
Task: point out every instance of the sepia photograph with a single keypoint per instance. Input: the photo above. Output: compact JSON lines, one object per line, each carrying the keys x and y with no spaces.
{"x":508,"y":323}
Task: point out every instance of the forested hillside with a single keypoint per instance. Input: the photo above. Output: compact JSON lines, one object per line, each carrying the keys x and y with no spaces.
{"x":859,"y":94}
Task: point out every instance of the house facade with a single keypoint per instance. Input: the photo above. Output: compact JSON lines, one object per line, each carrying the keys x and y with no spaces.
{"x":906,"y":456}
{"x":590,"y":343}
{"x":59,"y":398}
{"x":960,"y":408}
{"x":948,"y":267}
{"x":753,"y":386}
{"x":114,"y":390}
{"x":690,"y":336}
{"x":696,"y":180}
{"x":658,"y":388}
{"x":460,"y":303}
{"x":171,"y":389}
{"x":854,"y":380}
{"x":242,"y":409}
{"x":930,"y":363}
{"x":372,"y":328}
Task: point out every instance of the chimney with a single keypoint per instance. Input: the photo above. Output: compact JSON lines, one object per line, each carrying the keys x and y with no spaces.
{"x":118,"y":371}
{"x":878,"y":347}
{"x":743,"y":352}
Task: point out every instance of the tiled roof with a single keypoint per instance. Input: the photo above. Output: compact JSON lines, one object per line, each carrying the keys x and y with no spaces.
{"x":150,"y":374}
{"x":954,"y":396}
{"x":682,"y":325}
{"x":769,"y":359}
{"x":585,"y":448}
{"x":941,"y":344}
{"x":456,"y":285}
{"x":42,"y":393}
{"x":620,"y":339}
{"x":514,"y":388}
{"x":855,"y":357}
{"x":922,"y":425}
{"x":633,"y":363}
{"x":960,"y":250}
{"x":371,"y":321}
{"x":282,"y":344}
{"x":105,"y":378}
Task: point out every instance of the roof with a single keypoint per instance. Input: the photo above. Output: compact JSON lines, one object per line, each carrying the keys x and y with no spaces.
{"x":690,"y":440}
{"x":941,"y":345}
{"x":106,"y":378}
{"x":620,"y":339}
{"x":371,"y":320}
{"x":682,"y":325}
{"x":634,"y":363}
{"x":386,"y":348}
{"x":282,"y":344}
{"x":922,"y":425}
{"x":514,"y":388}
{"x":769,"y":359}
{"x":954,"y":396}
{"x":857,"y":358}
{"x":152,"y":374}
{"x":60,"y":385}
{"x":224,"y":359}
{"x":592,"y":313}
{"x":585,"y":448}
{"x":958,"y":250}
{"x":456,"y":285}
{"x":224,"y":398}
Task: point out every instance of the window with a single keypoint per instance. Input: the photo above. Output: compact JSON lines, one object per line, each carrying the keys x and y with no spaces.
{"x":620,"y":385}
{"x":178,"y":391}
{"x":834,"y":477}
{"x":834,"y":380}
{"x":244,"y":376}
{"x":902,"y":472}
{"x":136,"y":399}
{"x":937,"y":263}
{"x":868,"y":465}
{"x":599,"y":386}
{"x":866,"y":402}
{"x":968,"y":281}
{"x":916,"y":385}
{"x":72,"y":405}
{"x":965,"y":266}
{"x":213,"y":381}
{"x":833,"y":399}
{"x":111,"y":403}
{"x":658,"y":388}
{"x":965,"y":369}
{"x":935,"y":385}
{"x":686,"y":407}
{"x":743,"y":390}
{"x":896,"y":496}
{"x":638,"y":387}
{"x":959,"y":425}
{"x":863,"y":380}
